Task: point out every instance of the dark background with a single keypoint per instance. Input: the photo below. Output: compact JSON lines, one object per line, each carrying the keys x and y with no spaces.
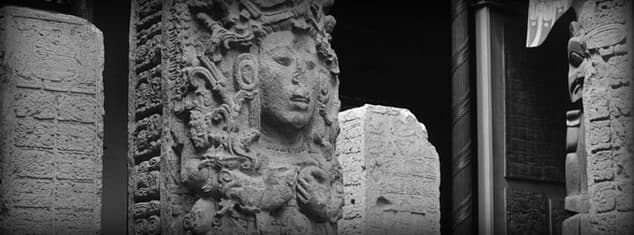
{"x":393,"y":54}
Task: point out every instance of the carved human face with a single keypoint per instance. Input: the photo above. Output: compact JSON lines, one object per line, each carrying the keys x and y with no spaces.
{"x":578,"y":61}
{"x":288,"y":80}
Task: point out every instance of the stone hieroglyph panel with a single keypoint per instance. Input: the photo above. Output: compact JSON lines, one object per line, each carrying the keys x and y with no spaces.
{"x":233,"y":118}
{"x":51,"y":120}
{"x":606,"y":28}
{"x":391,"y":173}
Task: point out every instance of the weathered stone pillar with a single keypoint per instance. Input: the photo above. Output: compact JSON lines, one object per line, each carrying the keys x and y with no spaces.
{"x":233,"y":118}
{"x":605,"y":31}
{"x":391,"y":173}
{"x":51,"y":123}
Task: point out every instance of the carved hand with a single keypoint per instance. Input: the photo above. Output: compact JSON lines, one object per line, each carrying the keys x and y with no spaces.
{"x":313,"y":192}
{"x":279,"y":188}
{"x":335,"y":206}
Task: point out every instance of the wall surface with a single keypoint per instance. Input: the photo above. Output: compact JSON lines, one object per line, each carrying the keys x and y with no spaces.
{"x":51,"y":120}
{"x":391,"y":173}
{"x":535,"y":98}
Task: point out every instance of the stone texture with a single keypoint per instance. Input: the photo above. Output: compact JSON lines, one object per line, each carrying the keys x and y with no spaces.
{"x":51,"y":117}
{"x":391,"y":173}
{"x":233,"y":118}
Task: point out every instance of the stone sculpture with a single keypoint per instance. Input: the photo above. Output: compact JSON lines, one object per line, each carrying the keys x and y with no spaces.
{"x":600,"y":149}
{"x":576,"y":179}
{"x":253,"y":123}
{"x":262,"y":138}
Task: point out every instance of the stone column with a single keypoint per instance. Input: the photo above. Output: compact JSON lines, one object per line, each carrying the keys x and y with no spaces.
{"x":391,"y":173}
{"x":51,"y":120}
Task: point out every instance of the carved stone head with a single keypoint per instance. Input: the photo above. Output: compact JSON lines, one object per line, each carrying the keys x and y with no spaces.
{"x":289,"y":69}
{"x":578,"y":62}
{"x":280,"y":59}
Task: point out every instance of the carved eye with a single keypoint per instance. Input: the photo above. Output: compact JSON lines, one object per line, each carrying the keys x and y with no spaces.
{"x":575,"y":59}
{"x":310,"y":65}
{"x":283,"y":60}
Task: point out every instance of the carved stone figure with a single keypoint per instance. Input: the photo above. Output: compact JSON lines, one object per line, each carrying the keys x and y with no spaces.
{"x":576,"y":179}
{"x":259,"y":113}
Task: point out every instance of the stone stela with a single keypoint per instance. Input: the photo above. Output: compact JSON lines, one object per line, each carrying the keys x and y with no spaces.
{"x":599,"y":137}
{"x":51,"y":120}
{"x":391,"y":173}
{"x":235,"y":118}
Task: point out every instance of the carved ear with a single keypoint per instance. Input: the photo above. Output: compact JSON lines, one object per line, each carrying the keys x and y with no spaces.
{"x":324,"y":87}
{"x":199,"y":77}
{"x":245,"y":71}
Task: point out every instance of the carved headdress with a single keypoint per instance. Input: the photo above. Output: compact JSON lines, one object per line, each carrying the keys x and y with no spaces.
{"x":234,"y":24}
{"x":224,"y":75}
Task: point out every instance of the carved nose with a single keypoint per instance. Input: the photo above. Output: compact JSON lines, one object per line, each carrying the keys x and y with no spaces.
{"x":299,"y":73}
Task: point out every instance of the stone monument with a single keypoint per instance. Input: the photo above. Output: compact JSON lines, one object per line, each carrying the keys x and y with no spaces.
{"x":391,"y":173}
{"x":234,"y":115}
{"x":51,"y":123}
{"x":599,"y":164}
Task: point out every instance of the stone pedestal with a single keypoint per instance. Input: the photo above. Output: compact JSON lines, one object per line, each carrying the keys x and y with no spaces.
{"x":51,"y":120}
{"x":391,"y":173}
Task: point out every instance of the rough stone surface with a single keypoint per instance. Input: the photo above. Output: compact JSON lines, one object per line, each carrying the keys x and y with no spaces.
{"x":391,"y":173}
{"x":233,"y":118}
{"x":51,"y":120}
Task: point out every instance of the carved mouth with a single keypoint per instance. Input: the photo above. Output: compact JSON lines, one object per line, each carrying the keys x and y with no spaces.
{"x":300,"y":99}
{"x":300,"y":102}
